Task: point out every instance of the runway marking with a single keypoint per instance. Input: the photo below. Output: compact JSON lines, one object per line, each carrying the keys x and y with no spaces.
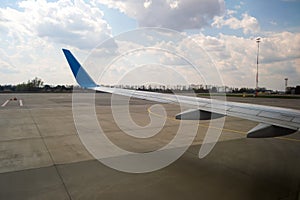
{"x":7,"y":101}
{"x":224,"y":129}
{"x":4,"y":104}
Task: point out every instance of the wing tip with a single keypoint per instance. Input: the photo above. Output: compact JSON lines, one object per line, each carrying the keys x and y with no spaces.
{"x":81,"y":76}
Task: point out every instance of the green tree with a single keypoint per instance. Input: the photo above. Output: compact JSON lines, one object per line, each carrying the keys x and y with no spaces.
{"x":31,"y":85}
{"x":36,"y":82}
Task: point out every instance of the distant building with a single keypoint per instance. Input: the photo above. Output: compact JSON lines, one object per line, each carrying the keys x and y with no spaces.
{"x":293,"y":90}
{"x":297,"y":89}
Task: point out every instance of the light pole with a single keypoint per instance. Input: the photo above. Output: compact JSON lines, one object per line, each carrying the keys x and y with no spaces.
{"x":256,"y":88}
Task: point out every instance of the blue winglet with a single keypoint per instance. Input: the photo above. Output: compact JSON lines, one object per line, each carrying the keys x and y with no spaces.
{"x":82,"y":77}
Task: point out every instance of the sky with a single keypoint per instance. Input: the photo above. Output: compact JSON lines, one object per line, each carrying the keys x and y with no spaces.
{"x":33,"y":32}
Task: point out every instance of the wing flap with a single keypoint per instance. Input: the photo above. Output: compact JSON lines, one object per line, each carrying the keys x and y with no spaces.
{"x":275,"y":116}
{"x":196,"y":114}
{"x":266,"y":130}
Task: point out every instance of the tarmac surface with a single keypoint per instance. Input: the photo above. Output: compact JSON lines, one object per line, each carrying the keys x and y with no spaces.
{"x":42,"y":156}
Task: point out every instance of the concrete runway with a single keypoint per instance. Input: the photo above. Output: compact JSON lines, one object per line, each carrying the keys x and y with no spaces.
{"x":42,"y":157}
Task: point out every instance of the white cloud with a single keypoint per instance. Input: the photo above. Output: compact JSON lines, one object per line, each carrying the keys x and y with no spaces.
{"x":247,"y":23}
{"x":34,"y":34}
{"x":7,"y":68}
{"x":147,"y":3}
{"x":279,"y":47}
{"x":73,"y":23}
{"x":235,"y":57}
{"x":76,"y":24}
{"x":173,"y":14}
{"x":146,"y":47}
{"x":274,"y":23}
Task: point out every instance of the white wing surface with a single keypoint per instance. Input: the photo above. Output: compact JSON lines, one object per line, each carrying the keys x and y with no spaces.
{"x":274,"y":121}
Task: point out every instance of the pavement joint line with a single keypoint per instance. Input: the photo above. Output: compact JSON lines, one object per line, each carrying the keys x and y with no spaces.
{"x":224,"y":129}
{"x":289,"y":139}
{"x":5,"y":103}
{"x":51,"y":157}
{"x":41,"y":167}
{"x":37,"y":137}
{"x":18,"y":139}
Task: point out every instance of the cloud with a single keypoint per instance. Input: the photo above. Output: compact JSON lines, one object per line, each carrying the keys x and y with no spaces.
{"x":274,"y":23}
{"x":7,"y":68}
{"x":158,"y":48}
{"x":33,"y":34}
{"x":278,"y":47}
{"x":174,"y":14}
{"x":247,"y":23}
{"x":66,"y":22}
{"x":235,"y":57}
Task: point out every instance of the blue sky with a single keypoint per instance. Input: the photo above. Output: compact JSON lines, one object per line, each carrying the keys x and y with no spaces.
{"x":33,"y":33}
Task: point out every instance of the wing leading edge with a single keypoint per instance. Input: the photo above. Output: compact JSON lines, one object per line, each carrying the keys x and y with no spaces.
{"x":274,"y":121}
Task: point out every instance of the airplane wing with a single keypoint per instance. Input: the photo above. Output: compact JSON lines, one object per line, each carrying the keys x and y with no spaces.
{"x":273,"y":121}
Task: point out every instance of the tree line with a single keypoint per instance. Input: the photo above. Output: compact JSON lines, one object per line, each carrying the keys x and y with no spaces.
{"x":35,"y":85}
